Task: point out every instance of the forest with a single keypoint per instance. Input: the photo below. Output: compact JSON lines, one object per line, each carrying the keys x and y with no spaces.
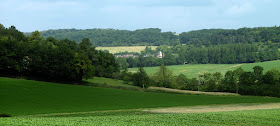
{"x":114,"y":37}
{"x":154,"y":36}
{"x":209,"y":37}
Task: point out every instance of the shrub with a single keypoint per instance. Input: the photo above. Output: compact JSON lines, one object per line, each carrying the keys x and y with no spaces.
{"x":5,"y":115}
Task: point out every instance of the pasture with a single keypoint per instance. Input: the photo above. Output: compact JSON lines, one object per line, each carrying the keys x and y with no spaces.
{"x":125,"y":48}
{"x":192,"y":70}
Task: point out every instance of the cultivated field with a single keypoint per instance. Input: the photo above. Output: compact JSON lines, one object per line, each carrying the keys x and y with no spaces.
{"x":192,"y":70}
{"x":44,"y":103}
{"x":125,"y":48}
{"x":34,"y":97}
{"x":266,"y":117}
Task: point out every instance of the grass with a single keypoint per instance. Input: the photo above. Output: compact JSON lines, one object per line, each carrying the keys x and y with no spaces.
{"x":192,"y":70}
{"x":28,"y":97}
{"x":125,"y":48}
{"x":246,"y":118}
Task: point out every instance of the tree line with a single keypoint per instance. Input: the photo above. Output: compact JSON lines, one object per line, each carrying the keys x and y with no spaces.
{"x":51,"y":59}
{"x":235,"y":81}
{"x":113,"y":37}
{"x":219,"y":54}
{"x":228,"y":54}
{"x":207,"y":37}
{"x":154,"y":36}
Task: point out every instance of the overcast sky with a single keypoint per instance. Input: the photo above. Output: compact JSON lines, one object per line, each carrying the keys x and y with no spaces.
{"x":168,"y":15}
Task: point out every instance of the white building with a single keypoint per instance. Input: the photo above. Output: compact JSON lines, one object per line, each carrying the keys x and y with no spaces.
{"x":159,"y":55}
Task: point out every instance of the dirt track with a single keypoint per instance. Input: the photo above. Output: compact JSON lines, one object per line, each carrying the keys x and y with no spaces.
{"x":215,"y":108}
{"x":192,"y":92}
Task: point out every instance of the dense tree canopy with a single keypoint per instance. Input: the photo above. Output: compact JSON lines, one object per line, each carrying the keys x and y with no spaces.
{"x":154,"y":36}
{"x":209,"y":37}
{"x":112,"y":37}
{"x":51,"y":59}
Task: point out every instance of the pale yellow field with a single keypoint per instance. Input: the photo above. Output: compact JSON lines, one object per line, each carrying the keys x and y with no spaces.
{"x":125,"y":48}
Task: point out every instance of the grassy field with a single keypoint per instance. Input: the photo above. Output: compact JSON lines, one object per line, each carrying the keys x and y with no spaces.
{"x":125,"y":48}
{"x":44,"y":103}
{"x":192,"y":70}
{"x":243,"y":118}
{"x":27,"y":97}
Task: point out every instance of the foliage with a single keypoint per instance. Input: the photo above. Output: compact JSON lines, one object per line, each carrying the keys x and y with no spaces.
{"x":141,"y":79}
{"x":227,"y":54}
{"x":113,"y":37}
{"x":51,"y":59}
{"x":163,"y":77}
{"x":154,"y":36}
{"x":207,"y":37}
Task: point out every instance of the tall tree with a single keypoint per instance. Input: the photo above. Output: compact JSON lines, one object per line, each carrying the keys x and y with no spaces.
{"x":141,"y":78}
{"x":163,"y":77}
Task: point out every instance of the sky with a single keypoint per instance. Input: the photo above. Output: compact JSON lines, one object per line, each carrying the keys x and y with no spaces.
{"x":169,"y":15}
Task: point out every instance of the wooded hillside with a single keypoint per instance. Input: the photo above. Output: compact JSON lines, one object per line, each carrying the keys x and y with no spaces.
{"x":154,"y":36}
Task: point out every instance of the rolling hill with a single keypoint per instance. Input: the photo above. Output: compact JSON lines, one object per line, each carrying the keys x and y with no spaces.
{"x":28,"y":97}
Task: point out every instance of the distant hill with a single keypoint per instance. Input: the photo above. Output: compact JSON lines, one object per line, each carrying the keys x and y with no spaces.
{"x":209,"y":37}
{"x":114,"y":37}
{"x":154,"y":36}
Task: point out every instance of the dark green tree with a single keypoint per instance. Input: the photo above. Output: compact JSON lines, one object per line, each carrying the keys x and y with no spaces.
{"x":141,"y":78}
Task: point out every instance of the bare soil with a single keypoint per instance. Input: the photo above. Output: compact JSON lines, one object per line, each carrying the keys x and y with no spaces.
{"x":192,"y":92}
{"x":215,"y":108}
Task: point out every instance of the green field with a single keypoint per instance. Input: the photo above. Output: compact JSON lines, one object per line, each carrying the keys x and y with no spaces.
{"x":243,"y":118}
{"x":125,"y":48}
{"x":27,"y":97}
{"x":44,"y":103}
{"x":192,"y":70}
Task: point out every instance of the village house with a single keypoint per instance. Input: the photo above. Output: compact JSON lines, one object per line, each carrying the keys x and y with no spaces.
{"x":159,"y":54}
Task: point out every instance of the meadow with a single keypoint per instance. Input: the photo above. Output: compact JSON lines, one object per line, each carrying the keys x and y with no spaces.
{"x":192,"y":70}
{"x":125,"y":48}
